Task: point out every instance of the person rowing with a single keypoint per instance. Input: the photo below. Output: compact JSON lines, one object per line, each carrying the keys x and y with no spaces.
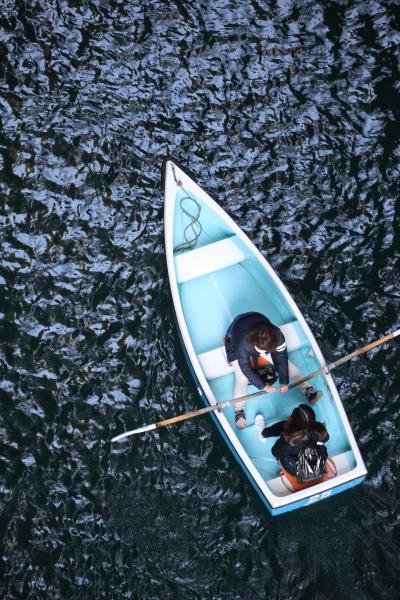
{"x":251,"y":338}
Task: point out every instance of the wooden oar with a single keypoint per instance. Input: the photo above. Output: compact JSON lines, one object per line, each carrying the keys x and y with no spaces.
{"x":221,"y":405}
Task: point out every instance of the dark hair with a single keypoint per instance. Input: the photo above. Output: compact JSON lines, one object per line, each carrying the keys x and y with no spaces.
{"x":264,"y":337}
{"x":302,"y":424}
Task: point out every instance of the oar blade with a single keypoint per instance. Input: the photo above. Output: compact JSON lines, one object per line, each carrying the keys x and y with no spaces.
{"x":121,"y":436}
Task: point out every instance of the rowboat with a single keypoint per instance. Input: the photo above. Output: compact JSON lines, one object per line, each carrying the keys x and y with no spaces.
{"x":215,"y":273}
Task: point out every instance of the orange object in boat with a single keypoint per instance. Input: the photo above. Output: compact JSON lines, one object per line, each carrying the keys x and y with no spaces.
{"x":260,"y":362}
{"x":290,"y":481}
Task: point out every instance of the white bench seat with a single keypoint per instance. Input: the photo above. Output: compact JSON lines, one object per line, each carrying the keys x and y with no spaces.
{"x":215,"y":364}
{"x":207,"y":259}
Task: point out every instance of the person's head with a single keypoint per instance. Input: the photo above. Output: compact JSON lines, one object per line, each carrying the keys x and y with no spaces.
{"x":264,"y":337}
{"x":303,"y":417}
{"x":302,"y":424}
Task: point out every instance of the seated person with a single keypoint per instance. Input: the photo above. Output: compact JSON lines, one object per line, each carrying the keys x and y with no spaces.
{"x":250,"y":336}
{"x":299,"y":431}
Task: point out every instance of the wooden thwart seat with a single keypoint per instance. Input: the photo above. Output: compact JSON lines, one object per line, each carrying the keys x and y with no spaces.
{"x":215,"y":364}
{"x":207,"y":259}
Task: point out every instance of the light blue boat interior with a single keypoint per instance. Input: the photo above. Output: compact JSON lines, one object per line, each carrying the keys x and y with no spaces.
{"x":210,"y":302}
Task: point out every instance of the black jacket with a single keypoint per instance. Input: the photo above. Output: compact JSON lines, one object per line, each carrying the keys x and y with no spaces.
{"x":283,"y":450}
{"x":238,"y":348}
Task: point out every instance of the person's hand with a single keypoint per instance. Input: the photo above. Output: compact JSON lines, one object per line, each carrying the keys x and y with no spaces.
{"x":283,"y":389}
{"x":270,"y":389}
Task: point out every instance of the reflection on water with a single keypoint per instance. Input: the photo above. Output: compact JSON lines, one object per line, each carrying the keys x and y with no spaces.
{"x":288,"y":113}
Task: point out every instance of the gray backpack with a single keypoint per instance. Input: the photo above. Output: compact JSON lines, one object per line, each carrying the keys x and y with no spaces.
{"x":311,"y":462}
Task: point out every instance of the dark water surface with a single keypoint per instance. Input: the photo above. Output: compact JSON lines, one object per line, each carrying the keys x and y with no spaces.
{"x":288,"y":112}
